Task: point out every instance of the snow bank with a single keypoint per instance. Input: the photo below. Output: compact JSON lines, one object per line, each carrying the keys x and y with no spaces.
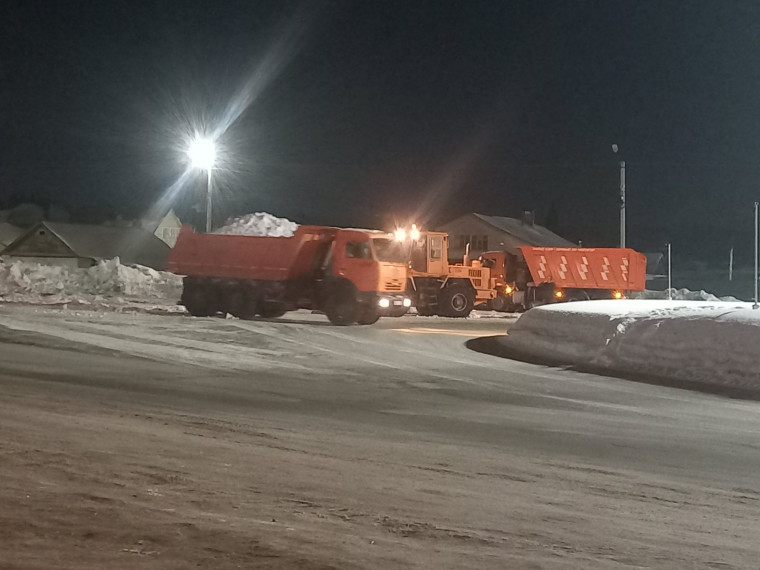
{"x":680,"y":295}
{"x":711,"y":343}
{"x":259,"y":224}
{"x":108,"y":281}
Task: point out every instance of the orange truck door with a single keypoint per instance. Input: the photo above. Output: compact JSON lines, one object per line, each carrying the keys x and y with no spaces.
{"x":353,"y":260}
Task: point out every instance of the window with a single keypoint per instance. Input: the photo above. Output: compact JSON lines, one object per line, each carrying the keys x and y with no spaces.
{"x":478,"y":243}
{"x":436,"y":247}
{"x":358,"y":250}
{"x":390,"y":250}
{"x":463,"y":240}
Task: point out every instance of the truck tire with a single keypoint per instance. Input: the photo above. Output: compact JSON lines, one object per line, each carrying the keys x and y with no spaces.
{"x":230,"y":299}
{"x":244,"y":303}
{"x":426,"y":311}
{"x":342,"y":309}
{"x":368,"y":316}
{"x":456,"y":300}
{"x":272,"y":310}
{"x":195,"y":298}
{"x":500,"y":304}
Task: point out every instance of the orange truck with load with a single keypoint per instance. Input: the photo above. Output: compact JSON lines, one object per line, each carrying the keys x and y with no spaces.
{"x":353,"y":276}
{"x":542,"y":275}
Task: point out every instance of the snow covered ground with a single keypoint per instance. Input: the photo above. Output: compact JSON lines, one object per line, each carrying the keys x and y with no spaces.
{"x":713,"y":343}
{"x":109,"y":284}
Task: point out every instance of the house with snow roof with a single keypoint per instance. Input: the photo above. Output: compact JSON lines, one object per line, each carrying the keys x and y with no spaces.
{"x":81,"y":245}
{"x":497,"y":233}
{"x":8,"y":233}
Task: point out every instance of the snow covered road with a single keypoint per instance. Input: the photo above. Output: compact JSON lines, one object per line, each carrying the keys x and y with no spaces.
{"x":162,"y":441}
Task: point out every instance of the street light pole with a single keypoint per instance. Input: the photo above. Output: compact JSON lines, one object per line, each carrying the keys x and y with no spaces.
{"x":755,"y":305}
{"x":670,"y":278}
{"x":202,"y":155}
{"x":615,"y":149}
{"x":622,"y":203}
{"x":208,"y":202}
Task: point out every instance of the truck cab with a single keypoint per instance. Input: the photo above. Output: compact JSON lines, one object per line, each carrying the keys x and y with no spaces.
{"x":365,"y":277}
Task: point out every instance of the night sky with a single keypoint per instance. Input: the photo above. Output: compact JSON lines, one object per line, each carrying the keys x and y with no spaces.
{"x":364,"y":112}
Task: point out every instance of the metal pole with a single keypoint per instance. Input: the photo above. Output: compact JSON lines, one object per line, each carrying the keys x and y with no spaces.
{"x":755,"y":305}
{"x":208,"y":203}
{"x":622,"y":203}
{"x":670,"y":281}
{"x":731,"y":264}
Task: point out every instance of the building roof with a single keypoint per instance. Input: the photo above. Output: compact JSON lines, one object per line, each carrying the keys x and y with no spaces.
{"x":531,"y":234}
{"x":130,"y":245}
{"x":8,"y":233}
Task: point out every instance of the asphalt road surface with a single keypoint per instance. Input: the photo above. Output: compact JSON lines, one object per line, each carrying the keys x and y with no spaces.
{"x":162,"y":442}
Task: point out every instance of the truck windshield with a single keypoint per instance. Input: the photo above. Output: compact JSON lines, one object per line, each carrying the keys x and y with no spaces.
{"x":390,"y":250}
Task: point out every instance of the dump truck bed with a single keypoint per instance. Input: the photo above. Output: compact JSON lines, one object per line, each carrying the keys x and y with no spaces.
{"x":248,"y":257}
{"x":587,"y":268}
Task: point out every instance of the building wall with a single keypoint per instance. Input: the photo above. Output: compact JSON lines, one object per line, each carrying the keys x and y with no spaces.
{"x":41,"y":243}
{"x":481,"y":236}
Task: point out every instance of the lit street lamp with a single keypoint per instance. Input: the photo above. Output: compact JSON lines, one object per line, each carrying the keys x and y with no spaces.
{"x":622,"y":197}
{"x":202,"y":154}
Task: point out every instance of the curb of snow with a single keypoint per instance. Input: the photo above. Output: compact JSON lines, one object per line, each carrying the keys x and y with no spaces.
{"x":694,"y":345}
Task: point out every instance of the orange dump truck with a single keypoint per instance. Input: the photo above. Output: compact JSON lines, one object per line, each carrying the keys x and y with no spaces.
{"x":541,"y":275}
{"x":353,"y":276}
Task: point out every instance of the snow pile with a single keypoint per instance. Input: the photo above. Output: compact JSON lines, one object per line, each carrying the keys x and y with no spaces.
{"x":680,"y":295}
{"x":259,"y":224}
{"x":704,"y":342}
{"x":110,"y":281}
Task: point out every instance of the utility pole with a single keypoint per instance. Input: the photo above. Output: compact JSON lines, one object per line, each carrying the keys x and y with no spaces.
{"x":208,"y":202}
{"x":755,"y":305}
{"x":731,"y":264}
{"x":622,"y":203}
{"x":615,"y":149}
{"x":670,"y":281}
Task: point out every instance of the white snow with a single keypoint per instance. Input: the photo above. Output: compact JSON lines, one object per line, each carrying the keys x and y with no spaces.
{"x":698,"y":341}
{"x":680,"y":295}
{"x":259,"y":224}
{"x":107,"y":283}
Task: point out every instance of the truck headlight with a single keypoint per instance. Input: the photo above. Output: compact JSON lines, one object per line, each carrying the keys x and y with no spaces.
{"x":384,"y":303}
{"x":407,"y":302}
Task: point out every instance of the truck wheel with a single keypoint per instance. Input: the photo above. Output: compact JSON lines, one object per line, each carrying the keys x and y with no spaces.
{"x":195,"y":298}
{"x":455,"y":301}
{"x":342,"y":310}
{"x":245,"y":305}
{"x":231,"y":299}
{"x":272,"y":310}
{"x":426,"y":311}
{"x":368,"y":316}
{"x":499,"y":304}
